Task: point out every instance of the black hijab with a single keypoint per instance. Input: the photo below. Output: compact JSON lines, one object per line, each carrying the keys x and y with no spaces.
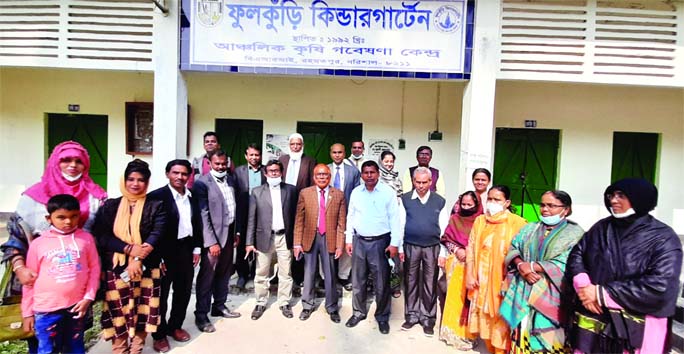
{"x":642,"y":194}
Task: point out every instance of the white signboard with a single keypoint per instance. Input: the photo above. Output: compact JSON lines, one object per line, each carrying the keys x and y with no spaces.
{"x":377,"y":146}
{"x":276,"y":146}
{"x":394,"y":35}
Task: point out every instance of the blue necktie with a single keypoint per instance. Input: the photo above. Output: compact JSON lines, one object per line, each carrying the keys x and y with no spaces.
{"x":336,"y":182}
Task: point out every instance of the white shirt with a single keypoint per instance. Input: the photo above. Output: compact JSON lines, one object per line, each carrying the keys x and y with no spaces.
{"x":293,"y":171}
{"x":443,"y":220}
{"x":277,"y":222}
{"x":184,"y":214}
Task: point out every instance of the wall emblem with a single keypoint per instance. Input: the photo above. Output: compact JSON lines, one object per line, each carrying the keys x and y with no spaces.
{"x":209,"y":12}
{"x":447,"y":19}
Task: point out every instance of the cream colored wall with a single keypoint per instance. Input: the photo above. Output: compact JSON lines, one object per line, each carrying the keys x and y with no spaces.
{"x":282,"y":101}
{"x":587,"y":116}
{"x":27,"y":94}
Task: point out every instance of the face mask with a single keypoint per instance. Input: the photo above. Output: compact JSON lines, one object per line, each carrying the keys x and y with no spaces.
{"x":494,"y":208}
{"x":70,"y":178}
{"x":552,"y":220}
{"x":217,"y":174}
{"x":467,"y":212}
{"x":629,"y":212}
{"x":273,"y":181}
{"x":63,"y":232}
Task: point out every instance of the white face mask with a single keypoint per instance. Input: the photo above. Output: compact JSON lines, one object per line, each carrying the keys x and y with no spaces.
{"x":296,"y":155}
{"x":218,"y":174}
{"x":273,"y":181}
{"x":71,"y":178}
{"x":552,"y":220}
{"x":627,"y":213}
{"x":494,"y":208}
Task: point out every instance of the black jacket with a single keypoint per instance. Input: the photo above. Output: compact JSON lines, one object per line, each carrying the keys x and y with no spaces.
{"x":638,"y":261}
{"x":152,"y":227}
{"x":170,"y":234}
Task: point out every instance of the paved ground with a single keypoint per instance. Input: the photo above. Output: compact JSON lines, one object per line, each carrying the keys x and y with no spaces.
{"x":276,"y":334}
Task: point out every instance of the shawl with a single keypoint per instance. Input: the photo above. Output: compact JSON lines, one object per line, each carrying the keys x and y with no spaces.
{"x":500,"y":228}
{"x":544,"y":296}
{"x":390,"y":178}
{"x":458,"y":230}
{"x":53,"y":182}
{"x":127,"y":223}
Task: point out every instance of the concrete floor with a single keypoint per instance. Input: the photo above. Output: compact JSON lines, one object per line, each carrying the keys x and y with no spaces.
{"x":273,"y":333}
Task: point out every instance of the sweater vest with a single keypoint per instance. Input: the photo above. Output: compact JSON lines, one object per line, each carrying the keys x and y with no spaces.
{"x":422,"y":220}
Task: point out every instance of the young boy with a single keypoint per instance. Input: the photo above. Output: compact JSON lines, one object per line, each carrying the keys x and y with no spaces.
{"x":67,"y":265}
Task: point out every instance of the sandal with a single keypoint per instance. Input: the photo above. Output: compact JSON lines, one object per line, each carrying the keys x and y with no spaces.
{"x":396,"y":294}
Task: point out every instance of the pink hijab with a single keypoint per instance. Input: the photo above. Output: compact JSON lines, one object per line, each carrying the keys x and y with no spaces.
{"x":53,"y":183}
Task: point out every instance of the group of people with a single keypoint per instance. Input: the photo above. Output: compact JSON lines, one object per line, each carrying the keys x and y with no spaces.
{"x":520,"y":287}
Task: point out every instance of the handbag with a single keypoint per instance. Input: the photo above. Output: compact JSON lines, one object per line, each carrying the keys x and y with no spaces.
{"x":10,"y":312}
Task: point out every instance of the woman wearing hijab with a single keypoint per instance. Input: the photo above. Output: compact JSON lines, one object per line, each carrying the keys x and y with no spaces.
{"x":488,"y":245}
{"x":625,"y":272}
{"x":387,"y":174}
{"x":454,"y":328}
{"x":536,"y":263}
{"x":481,"y":179}
{"x":128,"y":230}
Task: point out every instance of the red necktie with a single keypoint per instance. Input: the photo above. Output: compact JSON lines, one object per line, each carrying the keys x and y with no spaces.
{"x":321,"y":213}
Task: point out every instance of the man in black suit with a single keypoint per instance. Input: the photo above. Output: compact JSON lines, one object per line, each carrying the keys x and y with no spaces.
{"x":215,"y":194}
{"x":247,"y":177}
{"x":180,"y":249}
{"x":269,"y":233}
{"x":297,"y":171}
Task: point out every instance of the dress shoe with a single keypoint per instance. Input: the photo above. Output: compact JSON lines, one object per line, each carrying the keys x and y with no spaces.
{"x":258,"y":311}
{"x":306,"y":313}
{"x":353,"y":321}
{"x":383,"y":326}
{"x":335,"y":317}
{"x":161,"y":345}
{"x":205,"y":326}
{"x":428,"y":331}
{"x":286,"y":310}
{"x":224,"y":312}
{"x":407,"y":325}
{"x":180,"y":335}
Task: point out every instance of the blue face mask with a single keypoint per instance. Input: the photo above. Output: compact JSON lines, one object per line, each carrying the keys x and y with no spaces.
{"x":552,"y":220}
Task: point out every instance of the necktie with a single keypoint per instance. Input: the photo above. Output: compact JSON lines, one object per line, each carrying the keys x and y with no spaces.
{"x":336,"y":182}
{"x":321,"y":213}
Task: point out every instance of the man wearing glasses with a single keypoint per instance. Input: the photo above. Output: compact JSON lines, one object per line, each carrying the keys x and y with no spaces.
{"x":424,"y":156}
{"x":269,"y":233}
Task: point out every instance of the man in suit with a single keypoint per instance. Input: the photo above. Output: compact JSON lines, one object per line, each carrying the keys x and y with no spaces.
{"x":215,"y":193}
{"x":180,"y":249}
{"x":247,"y":177}
{"x":345,"y":177}
{"x":200,"y":164}
{"x":269,"y":233}
{"x":319,"y":234}
{"x":297,"y":171}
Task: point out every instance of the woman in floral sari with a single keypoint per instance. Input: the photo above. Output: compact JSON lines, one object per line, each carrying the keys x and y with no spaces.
{"x":536,"y":264}
{"x":454,"y":329}
{"x":488,"y":245}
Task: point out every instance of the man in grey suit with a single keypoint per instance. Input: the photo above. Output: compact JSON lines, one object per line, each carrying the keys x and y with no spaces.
{"x":345,"y":177}
{"x":269,"y":232}
{"x":215,"y":194}
{"x":247,"y":177}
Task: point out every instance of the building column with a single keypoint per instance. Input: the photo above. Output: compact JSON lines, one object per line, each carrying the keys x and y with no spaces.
{"x":170,"y":93}
{"x":477,"y":118}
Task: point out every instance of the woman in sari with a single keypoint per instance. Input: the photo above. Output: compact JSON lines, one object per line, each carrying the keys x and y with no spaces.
{"x":454,"y":329}
{"x":488,"y":245}
{"x":536,"y":264}
{"x":128,"y":231}
{"x":625,"y":272}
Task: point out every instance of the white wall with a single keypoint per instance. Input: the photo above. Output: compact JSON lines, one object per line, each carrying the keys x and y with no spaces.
{"x":27,"y":94}
{"x":587,"y":116}
{"x":282,"y":101}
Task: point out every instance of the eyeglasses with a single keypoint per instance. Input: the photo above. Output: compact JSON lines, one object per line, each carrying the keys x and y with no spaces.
{"x":550,"y":206}
{"x":617,"y":194}
{"x":322,"y":175}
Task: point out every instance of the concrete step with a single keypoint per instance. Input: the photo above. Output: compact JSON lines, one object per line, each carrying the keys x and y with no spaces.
{"x":677,"y":337}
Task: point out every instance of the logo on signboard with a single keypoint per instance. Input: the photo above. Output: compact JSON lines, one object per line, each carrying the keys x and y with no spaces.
{"x":209,"y":12}
{"x":447,"y":19}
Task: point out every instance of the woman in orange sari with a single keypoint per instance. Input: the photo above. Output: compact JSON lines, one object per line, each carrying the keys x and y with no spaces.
{"x":488,"y":244}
